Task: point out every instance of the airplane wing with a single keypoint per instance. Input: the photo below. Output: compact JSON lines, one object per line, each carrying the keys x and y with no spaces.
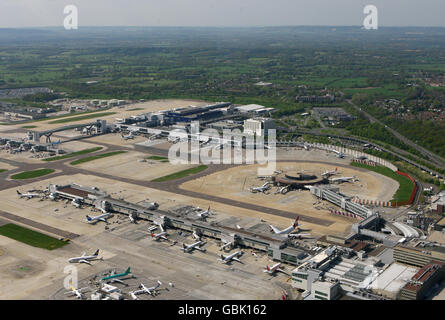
{"x":117,"y":280}
{"x":138,"y":291}
{"x":163,"y":237}
{"x":283,"y":271}
{"x":236,"y":259}
{"x":84,"y":261}
{"x":274,"y":229}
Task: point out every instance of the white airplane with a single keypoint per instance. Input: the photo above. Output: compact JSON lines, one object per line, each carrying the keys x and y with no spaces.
{"x":287,"y":230}
{"x":226,"y":244}
{"x":196,"y":245}
{"x":130,"y":136}
{"x":204,"y":214}
{"x":86,"y":259}
{"x":263,"y":188}
{"x":342,"y":179}
{"x":339,"y":154}
{"x":76,"y":202}
{"x":233,"y":256}
{"x":133,"y":217}
{"x":28,"y":195}
{"x":329,"y":173}
{"x":196,"y":235}
{"x":144,"y":289}
{"x":274,"y":268}
{"x":102,"y":217}
{"x":77,"y":292}
{"x":152,"y":206}
{"x":162,"y":235}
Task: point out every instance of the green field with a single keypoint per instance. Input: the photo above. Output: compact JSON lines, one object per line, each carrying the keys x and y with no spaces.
{"x":405,"y":185}
{"x":3,"y":170}
{"x":157,"y":158}
{"x":181,"y":174}
{"x":73,"y":154}
{"x":84,"y":117}
{"x":32,"y":174}
{"x":29,"y":127}
{"x":100,"y":156}
{"x":30,"y":237}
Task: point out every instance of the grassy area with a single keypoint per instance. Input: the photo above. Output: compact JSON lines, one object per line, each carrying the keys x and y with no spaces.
{"x":73,"y":154}
{"x":32,"y":174}
{"x":157,"y":158}
{"x":3,"y":170}
{"x":30,"y":237}
{"x":181,"y":174}
{"x":100,"y":156}
{"x":50,"y":118}
{"x":84,"y":117}
{"x":29,"y":127}
{"x":405,"y":185}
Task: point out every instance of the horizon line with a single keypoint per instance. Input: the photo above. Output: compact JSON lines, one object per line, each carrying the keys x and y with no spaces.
{"x":220,"y":27}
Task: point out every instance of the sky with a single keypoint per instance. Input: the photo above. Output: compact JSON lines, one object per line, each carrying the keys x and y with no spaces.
{"x":44,"y":13}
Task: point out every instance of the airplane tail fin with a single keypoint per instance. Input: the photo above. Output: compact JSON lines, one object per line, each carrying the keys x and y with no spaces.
{"x":19,"y":193}
{"x":296,"y":222}
{"x":96,"y":253}
{"x":336,"y":169}
{"x":128,"y":270}
{"x":160,"y":283}
{"x":267,"y":268}
{"x":184,"y":246}
{"x":88,"y":218}
{"x":152,"y":235}
{"x":222,"y":257}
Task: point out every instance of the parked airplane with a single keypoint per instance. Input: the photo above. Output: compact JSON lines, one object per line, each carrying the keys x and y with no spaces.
{"x":144,"y":289}
{"x":339,"y":153}
{"x":342,"y":179}
{"x":130,"y":136}
{"x":102,"y":217}
{"x":196,"y":245}
{"x":226,"y":244}
{"x":133,"y":217}
{"x":28,"y":195}
{"x":151,"y":205}
{"x":287,"y":230}
{"x":329,"y":173}
{"x":274,"y":268}
{"x":162,"y":235}
{"x":76,"y":202}
{"x":116,"y":277}
{"x":233,"y":256}
{"x":196,"y":235}
{"x":77,"y":292}
{"x":263,"y":188}
{"x":86,"y":259}
{"x":204,"y":214}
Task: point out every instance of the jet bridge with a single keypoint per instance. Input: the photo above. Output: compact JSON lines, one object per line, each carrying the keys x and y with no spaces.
{"x":340,"y":200}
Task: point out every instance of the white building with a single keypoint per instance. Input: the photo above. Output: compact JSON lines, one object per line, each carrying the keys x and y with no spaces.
{"x":324,"y":290}
{"x":258,"y":126}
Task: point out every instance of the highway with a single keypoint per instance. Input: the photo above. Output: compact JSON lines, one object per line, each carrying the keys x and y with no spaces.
{"x":440,"y":162}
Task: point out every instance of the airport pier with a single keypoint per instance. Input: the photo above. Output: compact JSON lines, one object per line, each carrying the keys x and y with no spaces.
{"x":277,"y":247}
